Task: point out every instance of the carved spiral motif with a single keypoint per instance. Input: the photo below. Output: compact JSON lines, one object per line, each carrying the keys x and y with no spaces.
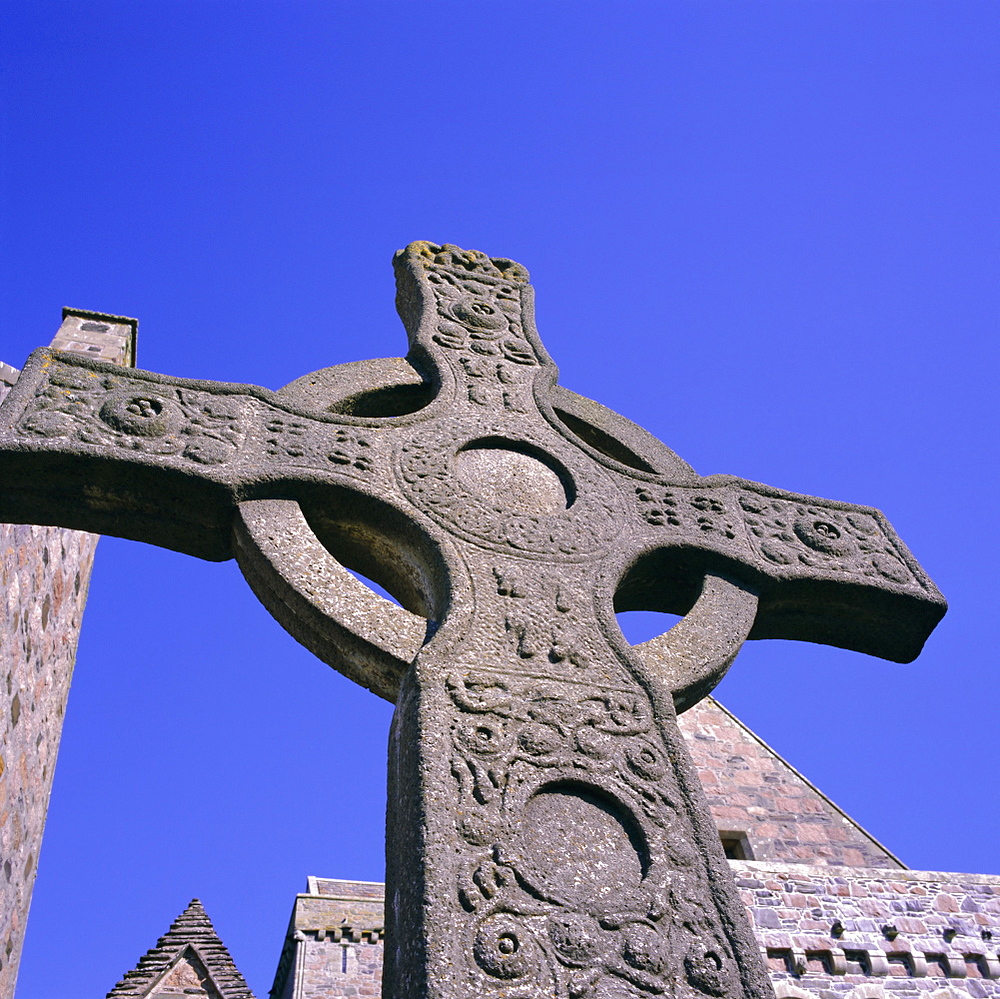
{"x":822,"y":536}
{"x":647,"y":761}
{"x":486,"y":738}
{"x":483,"y":319}
{"x":578,"y":938}
{"x":645,"y":949}
{"x":504,"y":949}
{"x":707,"y":972}
{"x":141,"y":414}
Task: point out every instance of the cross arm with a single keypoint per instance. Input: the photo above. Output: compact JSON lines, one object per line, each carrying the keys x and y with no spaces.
{"x":826,"y":572}
{"x":90,"y":446}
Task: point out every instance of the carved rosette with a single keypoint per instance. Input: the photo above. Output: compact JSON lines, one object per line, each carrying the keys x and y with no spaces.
{"x":576,"y":859}
{"x":578,"y":522}
{"x":820,"y":536}
{"x":79,"y":404}
{"x":783,"y":535}
{"x":177,"y":420}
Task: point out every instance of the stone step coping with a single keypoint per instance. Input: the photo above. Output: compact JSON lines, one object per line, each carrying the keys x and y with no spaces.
{"x":878,"y":962}
{"x":345,"y":934}
{"x":799,"y":943}
{"x":785,"y":989}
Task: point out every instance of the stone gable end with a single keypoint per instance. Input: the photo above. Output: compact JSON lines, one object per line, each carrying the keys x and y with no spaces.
{"x":756,"y":796}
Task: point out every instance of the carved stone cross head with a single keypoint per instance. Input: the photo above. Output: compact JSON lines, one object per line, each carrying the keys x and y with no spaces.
{"x":547,"y":834}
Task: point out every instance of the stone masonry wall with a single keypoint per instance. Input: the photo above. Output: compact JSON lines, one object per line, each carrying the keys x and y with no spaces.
{"x":874,"y":933}
{"x":754,"y":793}
{"x":44,"y":574}
{"x":824,"y":933}
{"x":334,"y":942}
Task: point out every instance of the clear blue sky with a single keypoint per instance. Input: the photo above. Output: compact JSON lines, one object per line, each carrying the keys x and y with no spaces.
{"x":766,"y":231}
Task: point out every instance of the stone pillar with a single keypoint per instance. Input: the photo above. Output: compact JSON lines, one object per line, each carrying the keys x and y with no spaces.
{"x":44,"y":574}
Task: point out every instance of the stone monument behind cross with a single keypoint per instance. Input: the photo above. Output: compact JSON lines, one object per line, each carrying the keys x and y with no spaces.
{"x":548,"y":836}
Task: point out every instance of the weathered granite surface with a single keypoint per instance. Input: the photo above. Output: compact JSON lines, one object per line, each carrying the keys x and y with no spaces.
{"x":548,"y":835}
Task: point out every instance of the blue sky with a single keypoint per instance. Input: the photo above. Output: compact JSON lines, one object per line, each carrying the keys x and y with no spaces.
{"x":766,"y":231}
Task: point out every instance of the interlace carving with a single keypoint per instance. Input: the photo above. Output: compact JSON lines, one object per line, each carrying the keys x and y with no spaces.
{"x":480,"y":324}
{"x":817,"y":535}
{"x":787,"y":533}
{"x":532,"y":762}
{"x":154,"y":419}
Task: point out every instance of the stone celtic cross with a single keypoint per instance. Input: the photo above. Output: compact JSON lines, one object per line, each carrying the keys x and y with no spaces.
{"x":547,"y":836}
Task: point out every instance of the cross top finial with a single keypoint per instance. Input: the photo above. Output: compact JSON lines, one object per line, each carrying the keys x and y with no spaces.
{"x":460,"y":261}
{"x":470,"y":317}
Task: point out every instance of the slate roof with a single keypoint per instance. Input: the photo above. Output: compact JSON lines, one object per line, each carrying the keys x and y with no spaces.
{"x":191,"y":939}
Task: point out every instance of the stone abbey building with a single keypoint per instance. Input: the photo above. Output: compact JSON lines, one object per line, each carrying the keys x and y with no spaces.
{"x":835,"y":913}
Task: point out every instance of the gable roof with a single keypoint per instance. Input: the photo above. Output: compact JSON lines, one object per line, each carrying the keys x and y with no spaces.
{"x":752,"y":790}
{"x":190,"y":950}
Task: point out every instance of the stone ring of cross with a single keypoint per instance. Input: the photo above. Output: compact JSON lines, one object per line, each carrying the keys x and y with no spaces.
{"x":488,"y":473}
{"x":547,"y":834}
